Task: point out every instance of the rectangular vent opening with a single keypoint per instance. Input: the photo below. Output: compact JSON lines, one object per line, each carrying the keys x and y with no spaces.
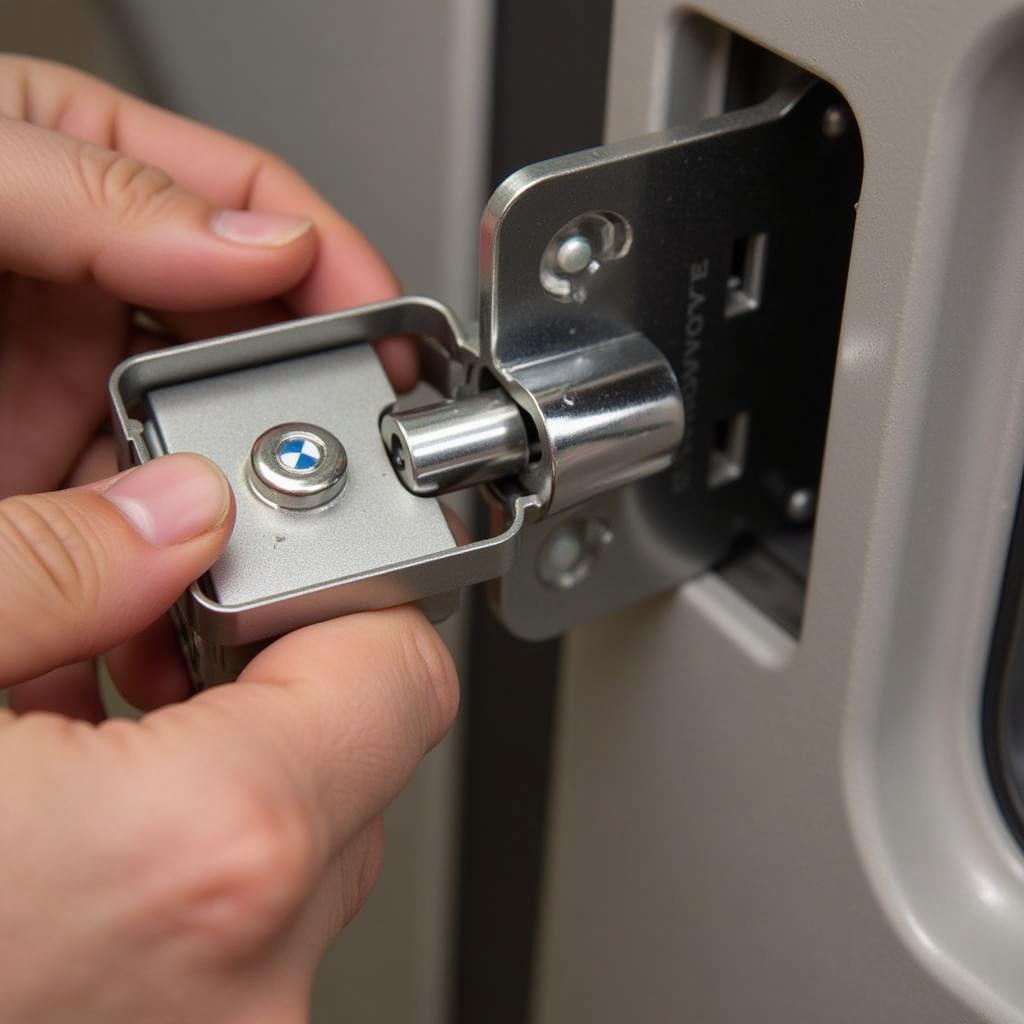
{"x":746,"y":274}
{"x":729,"y":449}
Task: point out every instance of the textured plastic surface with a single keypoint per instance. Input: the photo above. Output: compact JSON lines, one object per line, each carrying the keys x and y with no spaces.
{"x":745,"y":829}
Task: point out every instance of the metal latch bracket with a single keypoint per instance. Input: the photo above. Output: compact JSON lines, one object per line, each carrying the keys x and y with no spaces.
{"x":634,"y":298}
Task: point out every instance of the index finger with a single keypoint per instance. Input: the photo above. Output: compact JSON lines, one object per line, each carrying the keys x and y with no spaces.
{"x":217,"y":166}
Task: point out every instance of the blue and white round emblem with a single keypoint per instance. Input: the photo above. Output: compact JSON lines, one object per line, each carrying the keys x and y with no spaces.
{"x":299,"y":454}
{"x":297,"y":466}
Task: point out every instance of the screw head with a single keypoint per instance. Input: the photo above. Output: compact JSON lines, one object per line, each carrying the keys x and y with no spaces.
{"x":834,"y":122}
{"x":800,"y":505}
{"x":574,"y":255}
{"x":568,"y":554}
{"x":297,"y":466}
{"x":577,"y":253}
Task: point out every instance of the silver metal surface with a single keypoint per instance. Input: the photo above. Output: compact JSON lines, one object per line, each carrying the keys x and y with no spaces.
{"x":297,"y":466}
{"x":607,"y":414}
{"x":643,"y":558}
{"x":425,"y":318}
{"x":274,"y":551}
{"x":574,"y":254}
{"x":450,"y":445}
{"x":388,"y":546}
{"x":621,"y":418}
{"x":578,"y":250}
{"x":610,"y":413}
{"x":566,"y":557}
{"x":605,"y":409}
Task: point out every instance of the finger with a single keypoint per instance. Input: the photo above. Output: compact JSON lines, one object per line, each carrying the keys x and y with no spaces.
{"x":401,"y":360}
{"x":229,"y":172}
{"x":148,"y":669}
{"x":399,"y":356}
{"x":214,"y":323}
{"x":455,"y":524}
{"x":74,"y":212}
{"x":87,"y":568}
{"x":97,"y":462}
{"x":60,"y":343}
{"x":71,"y":690}
{"x":342,"y":712}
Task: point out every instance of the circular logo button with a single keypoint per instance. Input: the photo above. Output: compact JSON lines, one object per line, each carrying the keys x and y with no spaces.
{"x":299,"y":454}
{"x":297,"y":466}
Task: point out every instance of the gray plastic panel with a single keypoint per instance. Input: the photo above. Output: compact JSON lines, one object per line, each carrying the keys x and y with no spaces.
{"x":744,"y":829}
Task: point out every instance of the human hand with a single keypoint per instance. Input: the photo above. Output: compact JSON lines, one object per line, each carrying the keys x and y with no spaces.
{"x":108,"y":203}
{"x":191,"y":865}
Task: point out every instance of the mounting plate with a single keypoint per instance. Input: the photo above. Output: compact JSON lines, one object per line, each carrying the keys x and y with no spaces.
{"x":739,"y":234}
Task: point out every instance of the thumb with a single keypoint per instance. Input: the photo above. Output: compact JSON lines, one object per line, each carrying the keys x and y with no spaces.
{"x":85,"y":569}
{"x":73,"y":212}
{"x":326,"y":725}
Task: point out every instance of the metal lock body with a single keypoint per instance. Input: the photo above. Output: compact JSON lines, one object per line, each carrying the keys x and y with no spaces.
{"x":584,"y":407}
{"x":373,"y":545}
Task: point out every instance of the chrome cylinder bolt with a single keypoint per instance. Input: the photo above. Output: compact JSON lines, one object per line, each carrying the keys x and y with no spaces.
{"x":452,"y":445}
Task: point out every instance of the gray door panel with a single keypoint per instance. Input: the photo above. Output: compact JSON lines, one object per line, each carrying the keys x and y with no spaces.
{"x":748,"y":827}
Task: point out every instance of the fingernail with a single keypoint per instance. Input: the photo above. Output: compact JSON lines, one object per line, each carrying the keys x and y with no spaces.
{"x":172,"y":499}
{"x":254,"y":227}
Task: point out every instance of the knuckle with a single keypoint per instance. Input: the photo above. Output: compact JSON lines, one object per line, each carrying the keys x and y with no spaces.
{"x":53,"y":551}
{"x":244,"y":872}
{"x":428,"y":663}
{"x":115,"y":182}
{"x":33,"y":89}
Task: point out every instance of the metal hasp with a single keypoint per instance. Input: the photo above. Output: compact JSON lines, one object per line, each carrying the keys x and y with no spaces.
{"x":606,"y":415}
{"x":361,"y":541}
{"x":724,"y":247}
{"x":658,"y":331}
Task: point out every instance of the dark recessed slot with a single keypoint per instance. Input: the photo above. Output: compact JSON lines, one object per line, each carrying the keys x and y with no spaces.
{"x":728,"y":449}
{"x":767,"y":341}
{"x":746,"y":274}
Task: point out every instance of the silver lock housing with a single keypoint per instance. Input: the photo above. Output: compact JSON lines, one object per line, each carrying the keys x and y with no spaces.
{"x":373,"y":545}
{"x":277,"y":546}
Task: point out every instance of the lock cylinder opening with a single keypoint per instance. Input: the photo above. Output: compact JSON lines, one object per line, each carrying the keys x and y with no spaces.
{"x":603,"y":416}
{"x":452,"y":445}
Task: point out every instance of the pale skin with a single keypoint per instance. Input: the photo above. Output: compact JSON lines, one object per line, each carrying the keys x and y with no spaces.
{"x":192,"y":865}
